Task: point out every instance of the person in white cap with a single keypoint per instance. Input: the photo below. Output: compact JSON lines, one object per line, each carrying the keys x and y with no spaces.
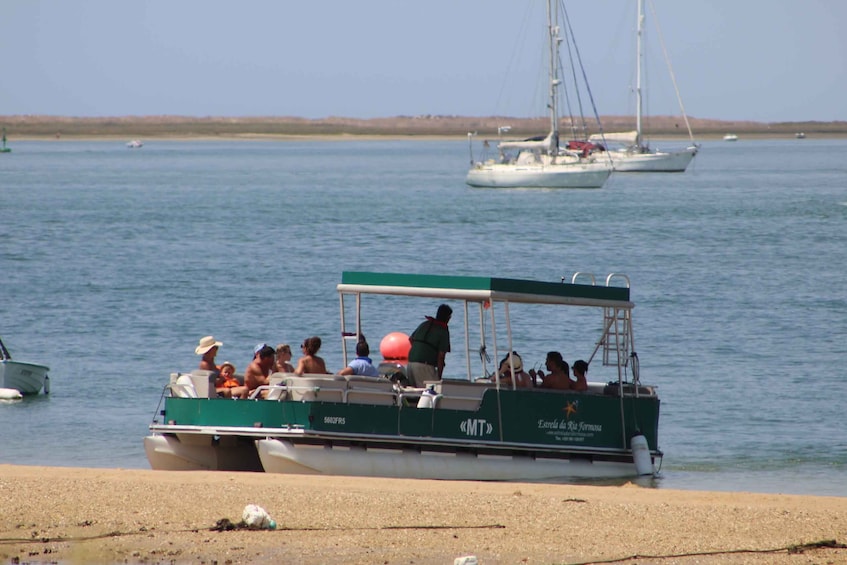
{"x":522,"y":378}
{"x":208,"y":348}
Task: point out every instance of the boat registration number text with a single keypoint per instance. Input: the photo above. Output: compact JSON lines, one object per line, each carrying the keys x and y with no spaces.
{"x":338,"y":420}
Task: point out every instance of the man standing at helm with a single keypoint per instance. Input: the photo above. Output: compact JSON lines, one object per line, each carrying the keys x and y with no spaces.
{"x":430,"y":344}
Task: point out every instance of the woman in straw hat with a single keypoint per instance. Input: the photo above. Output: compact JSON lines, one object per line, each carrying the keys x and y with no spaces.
{"x":208,"y":348}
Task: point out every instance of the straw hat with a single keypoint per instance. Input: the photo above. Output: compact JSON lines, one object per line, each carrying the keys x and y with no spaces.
{"x":206,"y":344}
{"x":517,"y":362}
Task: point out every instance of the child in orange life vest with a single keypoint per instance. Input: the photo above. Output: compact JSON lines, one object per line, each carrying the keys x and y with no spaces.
{"x":227,"y":385}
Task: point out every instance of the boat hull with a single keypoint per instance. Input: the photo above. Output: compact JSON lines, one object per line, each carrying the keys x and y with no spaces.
{"x":285,"y":456}
{"x":657,"y":162}
{"x":28,"y":378}
{"x":200,"y":452}
{"x":571,"y":175}
{"x":549,"y":436}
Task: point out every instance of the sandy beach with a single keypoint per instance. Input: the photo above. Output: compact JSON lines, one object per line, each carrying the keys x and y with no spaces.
{"x":76,"y":515}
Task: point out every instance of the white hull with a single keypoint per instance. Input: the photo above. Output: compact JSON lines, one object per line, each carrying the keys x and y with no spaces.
{"x":28,"y":378}
{"x":658,"y":162}
{"x":570,"y":175}
{"x":282,"y":456}
{"x":197,"y":453}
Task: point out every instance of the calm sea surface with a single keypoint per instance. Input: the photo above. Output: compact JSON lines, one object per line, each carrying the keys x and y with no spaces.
{"x":115,"y":262}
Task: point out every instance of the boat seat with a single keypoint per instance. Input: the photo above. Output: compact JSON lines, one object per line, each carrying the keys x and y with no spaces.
{"x":613,"y":389}
{"x":276,"y":386}
{"x":204,"y":383}
{"x":460,"y":395}
{"x":370,"y":390}
{"x":316,"y":388}
{"x":182,"y":386}
{"x":596,"y":388}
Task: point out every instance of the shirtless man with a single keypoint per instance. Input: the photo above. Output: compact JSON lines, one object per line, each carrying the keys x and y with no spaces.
{"x":559,"y":376}
{"x":310,"y":362}
{"x":257,"y":372}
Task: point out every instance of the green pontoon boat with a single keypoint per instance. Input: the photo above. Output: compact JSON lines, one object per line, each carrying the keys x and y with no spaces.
{"x":468,"y":426}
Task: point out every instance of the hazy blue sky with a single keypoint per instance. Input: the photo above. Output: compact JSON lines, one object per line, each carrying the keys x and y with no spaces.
{"x":763,"y":60}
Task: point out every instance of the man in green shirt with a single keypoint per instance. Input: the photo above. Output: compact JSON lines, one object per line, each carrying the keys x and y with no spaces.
{"x":430,"y":344}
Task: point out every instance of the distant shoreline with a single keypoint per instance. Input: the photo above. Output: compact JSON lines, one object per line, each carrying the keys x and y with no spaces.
{"x":31,"y":127}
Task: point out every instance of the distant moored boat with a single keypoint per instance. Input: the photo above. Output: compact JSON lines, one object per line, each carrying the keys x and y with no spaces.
{"x":730,"y":137}
{"x":5,"y":149}
{"x":21,"y":377}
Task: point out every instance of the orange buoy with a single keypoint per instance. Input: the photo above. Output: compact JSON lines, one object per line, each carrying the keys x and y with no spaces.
{"x":395,"y":347}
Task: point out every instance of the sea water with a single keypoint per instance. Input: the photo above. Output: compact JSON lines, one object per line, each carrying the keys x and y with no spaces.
{"x":115,"y":261}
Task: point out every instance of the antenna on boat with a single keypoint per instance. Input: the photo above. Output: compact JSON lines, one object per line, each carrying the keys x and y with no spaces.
{"x":4,"y":352}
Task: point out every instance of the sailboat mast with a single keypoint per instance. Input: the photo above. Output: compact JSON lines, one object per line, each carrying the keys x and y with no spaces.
{"x":553,"y":32}
{"x":638,"y":60}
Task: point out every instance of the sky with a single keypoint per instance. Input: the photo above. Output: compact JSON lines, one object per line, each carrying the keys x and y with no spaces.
{"x":759,"y":60}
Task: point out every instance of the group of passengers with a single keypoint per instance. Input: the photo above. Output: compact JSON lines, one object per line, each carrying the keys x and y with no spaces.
{"x":429,"y":344}
{"x":557,"y":378}
{"x":268,"y":360}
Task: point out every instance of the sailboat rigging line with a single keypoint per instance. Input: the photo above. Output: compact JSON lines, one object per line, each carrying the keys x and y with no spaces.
{"x":584,"y":74}
{"x":583,"y":125}
{"x":670,"y":70}
{"x":499,"y":104}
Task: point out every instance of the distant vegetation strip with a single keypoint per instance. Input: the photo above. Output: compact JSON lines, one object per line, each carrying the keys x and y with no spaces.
{"x":427,"y":125}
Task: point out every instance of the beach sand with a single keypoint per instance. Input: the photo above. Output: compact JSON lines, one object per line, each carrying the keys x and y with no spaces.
{"x":76,"y":515}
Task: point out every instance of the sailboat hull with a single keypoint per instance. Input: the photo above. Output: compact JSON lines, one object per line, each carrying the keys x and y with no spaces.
{"x":652,"y":162}
{"x":570,"y":175}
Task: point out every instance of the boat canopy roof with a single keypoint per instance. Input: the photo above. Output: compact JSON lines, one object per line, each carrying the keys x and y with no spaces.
{"x":628,"y":137}
{"x":480,"y":289}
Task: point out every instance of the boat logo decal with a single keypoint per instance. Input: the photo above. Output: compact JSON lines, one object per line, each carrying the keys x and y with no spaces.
{"x":570,"y":430}
{"x":476,"y":427}
{"x":334,"y":420}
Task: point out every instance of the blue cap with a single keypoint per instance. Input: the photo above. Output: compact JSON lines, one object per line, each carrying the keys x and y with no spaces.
{"x":259,"y":347}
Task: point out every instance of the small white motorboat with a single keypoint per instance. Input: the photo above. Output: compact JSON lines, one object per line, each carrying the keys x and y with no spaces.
{"x":134,"y":144}
{"x":18,"y":376}
{"x":730,"y":137}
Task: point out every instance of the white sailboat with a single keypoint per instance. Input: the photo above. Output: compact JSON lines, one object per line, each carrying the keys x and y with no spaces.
{"x":541,"y":163}
{"x":633,"y":154}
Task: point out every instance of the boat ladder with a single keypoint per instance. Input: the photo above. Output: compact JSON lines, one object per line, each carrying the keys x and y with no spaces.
{"x":618,"y":336}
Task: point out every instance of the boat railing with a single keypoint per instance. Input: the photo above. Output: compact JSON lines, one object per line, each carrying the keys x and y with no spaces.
{"x":274,"y":390}
{"x":610,"y":278}
{"x":580,"y":275}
